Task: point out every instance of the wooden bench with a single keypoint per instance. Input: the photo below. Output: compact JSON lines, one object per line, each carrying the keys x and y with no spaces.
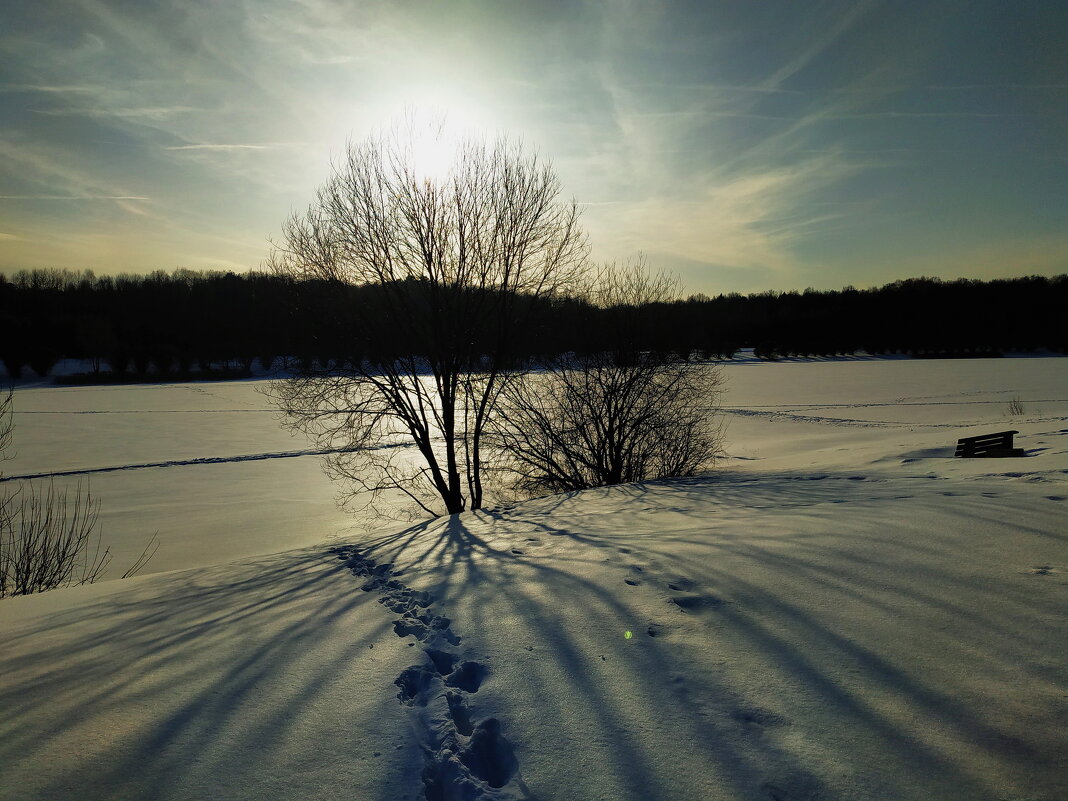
{"x":999,"y":444}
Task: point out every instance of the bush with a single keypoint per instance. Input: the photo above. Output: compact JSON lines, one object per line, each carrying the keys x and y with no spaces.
{"x":48,"y":539}
{"x":616,"y":415}
{"x":598,"y":420}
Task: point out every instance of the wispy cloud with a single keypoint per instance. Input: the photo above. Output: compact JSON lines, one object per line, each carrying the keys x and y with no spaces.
{"x":713,"y":133}
{"x":922,"y":114}
{"x":971,"y":87}
{"x":149,"y":112}
{"x":52,"y":172}
{"x":713,"y":113}
{"x":7,"y":237}
{"x":820,"y":42}
{"x":207,"y":146}
{"x":749,"y":221}
{"x":66,"y":89}
{"x":73,"y":197}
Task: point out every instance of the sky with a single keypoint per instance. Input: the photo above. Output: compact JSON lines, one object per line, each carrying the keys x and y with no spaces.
{"x":745,"y":145}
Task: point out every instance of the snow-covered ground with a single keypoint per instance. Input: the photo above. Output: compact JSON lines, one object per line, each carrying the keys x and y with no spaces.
{"x":204,"y":465}
{"x":841,"y":611}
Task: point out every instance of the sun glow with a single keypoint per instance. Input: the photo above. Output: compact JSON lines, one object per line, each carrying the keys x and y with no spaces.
{"x":433,"y":124}
{"x":433,"y":149}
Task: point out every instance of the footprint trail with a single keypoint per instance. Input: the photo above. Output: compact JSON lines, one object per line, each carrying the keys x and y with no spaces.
{"x":465,"y":760}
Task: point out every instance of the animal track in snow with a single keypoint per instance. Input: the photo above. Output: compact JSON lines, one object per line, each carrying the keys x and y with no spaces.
{"x":464,"y":759}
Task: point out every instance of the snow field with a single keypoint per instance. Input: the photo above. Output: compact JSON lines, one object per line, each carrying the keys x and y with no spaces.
{"x":840,"y":611}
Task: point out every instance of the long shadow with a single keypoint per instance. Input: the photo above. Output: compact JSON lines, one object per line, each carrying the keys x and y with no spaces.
{"x":812,"y":596}
{"x":777,"y":671}
{"x":204,"y":685}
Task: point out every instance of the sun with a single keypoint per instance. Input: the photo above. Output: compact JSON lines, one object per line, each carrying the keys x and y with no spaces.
{"x":433,"y":150}
{"x":433,"y":125}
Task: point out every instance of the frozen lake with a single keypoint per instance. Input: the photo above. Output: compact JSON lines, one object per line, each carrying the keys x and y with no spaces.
{"x":208,"y":467}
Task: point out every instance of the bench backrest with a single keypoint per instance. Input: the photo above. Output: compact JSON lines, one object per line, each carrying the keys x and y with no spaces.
{"x":970,"y":446}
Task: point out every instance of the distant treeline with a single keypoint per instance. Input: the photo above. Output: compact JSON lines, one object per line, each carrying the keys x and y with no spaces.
{"x":169,"y":325}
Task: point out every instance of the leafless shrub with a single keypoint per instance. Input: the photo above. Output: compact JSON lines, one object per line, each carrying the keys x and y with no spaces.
{"x":592,"y":421}
{"x":615,"y":416}
{"x":50,"y":541}
{"x":1015,"y":407}
{"x":6,"y":425}
{"x":49,"y":538}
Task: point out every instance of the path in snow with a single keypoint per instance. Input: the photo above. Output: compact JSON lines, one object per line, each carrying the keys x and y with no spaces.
{"x":464,"y":759}
{"x":248,"y":457}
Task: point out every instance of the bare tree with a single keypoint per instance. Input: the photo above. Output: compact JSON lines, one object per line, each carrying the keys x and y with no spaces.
{"x":624,"y":288}
{"x":450,"y":260}
{"x":614,"y":416}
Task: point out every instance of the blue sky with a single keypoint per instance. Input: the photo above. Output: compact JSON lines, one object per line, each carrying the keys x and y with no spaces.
{"x":745,"y":145}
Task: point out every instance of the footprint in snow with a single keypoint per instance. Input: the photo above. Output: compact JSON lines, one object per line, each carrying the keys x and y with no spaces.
{"x":468,"y":676}
{"x":460,"y":714}
{"x":453,"y":769}
{"x":414,"y":683}
{"x":758,"y":717}
{"x":693,"y":603}
{"x":443,"y":661}
{"x":488,"y":755}
{"x":802,"y":787}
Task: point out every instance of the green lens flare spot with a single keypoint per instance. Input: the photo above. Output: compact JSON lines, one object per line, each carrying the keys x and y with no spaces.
{"x":628,"y":634}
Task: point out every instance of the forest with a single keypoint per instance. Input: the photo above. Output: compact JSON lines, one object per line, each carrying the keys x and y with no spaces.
{"x":163,"y":326}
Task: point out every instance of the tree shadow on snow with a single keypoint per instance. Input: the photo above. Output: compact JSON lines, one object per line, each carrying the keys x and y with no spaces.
{"x":219,"y":683}
{"x":767,"y":654}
